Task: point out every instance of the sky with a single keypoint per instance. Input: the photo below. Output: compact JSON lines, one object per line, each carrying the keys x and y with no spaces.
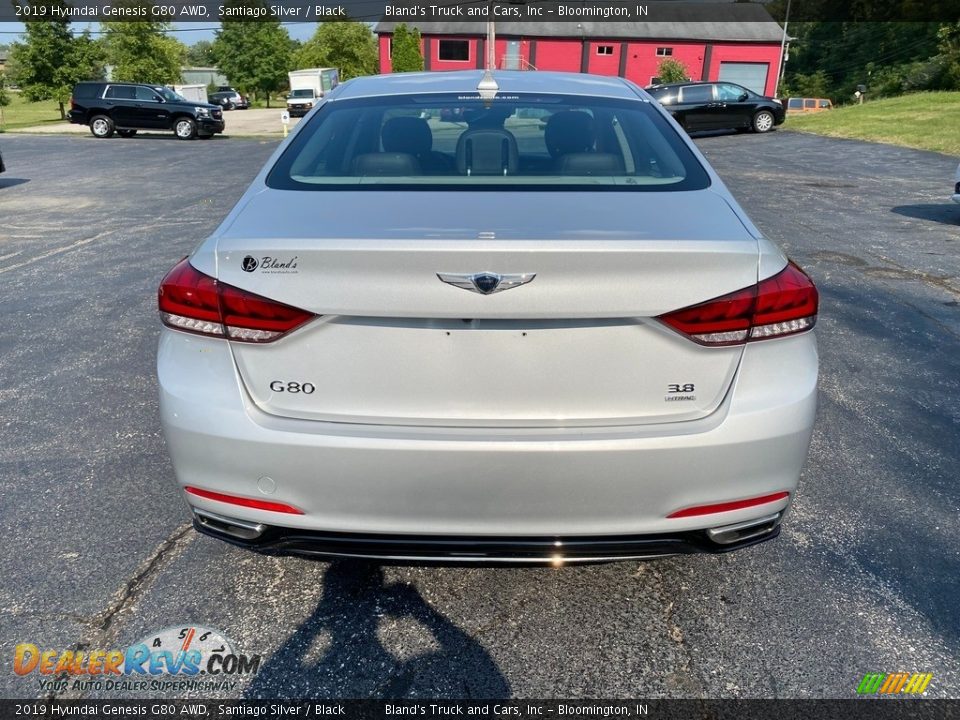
{"x":187,"y":33}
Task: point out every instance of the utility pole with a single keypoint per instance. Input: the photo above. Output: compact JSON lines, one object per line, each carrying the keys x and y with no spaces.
{"x":783,"y":49}
{"x":491,"y":43}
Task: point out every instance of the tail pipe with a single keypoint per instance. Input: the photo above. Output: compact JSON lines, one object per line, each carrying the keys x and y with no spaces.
{"x":747,"y":530}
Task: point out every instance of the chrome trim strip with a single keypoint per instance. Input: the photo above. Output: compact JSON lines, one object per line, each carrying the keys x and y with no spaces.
{"x":492,"y":559}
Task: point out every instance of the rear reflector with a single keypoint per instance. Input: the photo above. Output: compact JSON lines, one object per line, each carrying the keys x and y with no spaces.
{"x":784,"y":304}
{"x":728,"y":506}
{"x":197,"y":303}
{"x":244,"y":501}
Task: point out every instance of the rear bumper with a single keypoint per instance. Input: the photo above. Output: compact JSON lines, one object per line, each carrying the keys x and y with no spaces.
{"x":481,"y":550}
{"x":421,"y":483}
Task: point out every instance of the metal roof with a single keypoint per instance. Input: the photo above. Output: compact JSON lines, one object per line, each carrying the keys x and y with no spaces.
{"x":510,"y":81}
{"x":716,"y":22}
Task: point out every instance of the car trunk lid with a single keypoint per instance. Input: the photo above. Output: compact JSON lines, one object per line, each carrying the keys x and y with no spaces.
{"x":577,"y":345}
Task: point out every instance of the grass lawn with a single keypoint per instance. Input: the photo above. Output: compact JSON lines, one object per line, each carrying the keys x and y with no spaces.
{"x":926,"y":121}
{"x":20,"y":113}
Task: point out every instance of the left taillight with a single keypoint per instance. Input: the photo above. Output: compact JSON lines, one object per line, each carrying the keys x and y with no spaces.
{"x":194,"y":302}
{"x":784,"y":304}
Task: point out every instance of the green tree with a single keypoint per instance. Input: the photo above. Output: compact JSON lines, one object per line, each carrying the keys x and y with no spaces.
{"x":4,"y":97}
{"x":200,"y":54}
{"x":948,"y":37}
{"x":346,"y":45}
{"x":142,"y":51}
{"x":51,"y":60}
{"x":672,"y":71}
{"x":405,"y":55}
{"x":254,"y":54}
{"x":814,"y":85}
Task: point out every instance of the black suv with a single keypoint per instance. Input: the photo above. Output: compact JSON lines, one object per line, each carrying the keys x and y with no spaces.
{"x":718,"y":106}
{"x":124,"y":108}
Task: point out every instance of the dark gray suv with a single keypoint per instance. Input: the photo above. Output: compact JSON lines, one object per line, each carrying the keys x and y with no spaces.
{"x":125,"y":108}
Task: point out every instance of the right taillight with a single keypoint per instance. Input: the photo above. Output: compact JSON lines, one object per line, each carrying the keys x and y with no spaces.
{"x":192,"y":301}
{"x":781,"y":305}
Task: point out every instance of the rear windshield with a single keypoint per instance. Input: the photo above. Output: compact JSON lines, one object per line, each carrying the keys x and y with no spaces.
{"x":455,"y":142}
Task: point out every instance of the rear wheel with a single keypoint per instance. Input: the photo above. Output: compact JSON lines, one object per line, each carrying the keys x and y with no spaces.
{"x":185,"y":128}
{"x":101,"y":126}
{"x":229,"y":106}
{"x":763,"y":121}
{"x":126,"y":133}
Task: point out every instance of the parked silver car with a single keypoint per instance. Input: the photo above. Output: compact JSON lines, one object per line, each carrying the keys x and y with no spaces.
{"x":542,"y":331}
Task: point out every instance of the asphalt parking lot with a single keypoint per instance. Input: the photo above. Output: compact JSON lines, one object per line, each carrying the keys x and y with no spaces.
{"x":98,"y":552}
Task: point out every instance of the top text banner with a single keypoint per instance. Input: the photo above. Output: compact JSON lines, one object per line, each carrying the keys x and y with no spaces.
{"x":515,"y":17}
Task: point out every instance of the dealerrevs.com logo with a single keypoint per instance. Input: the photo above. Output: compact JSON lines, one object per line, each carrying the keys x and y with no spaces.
{"x":177,"y":658}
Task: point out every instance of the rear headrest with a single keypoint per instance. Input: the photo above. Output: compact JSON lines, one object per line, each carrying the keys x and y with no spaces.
{"x":406,"y":135}
{"x":386,"y":164}
{"x":487,"y":151}
{"x":570,"y":131}
{"x":590,"y":164}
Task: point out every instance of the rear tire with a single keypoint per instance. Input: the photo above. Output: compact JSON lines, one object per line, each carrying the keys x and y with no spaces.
{"x":185,"y":128}
{"x":763,"y":121}
{"x":126,"y":133}
{"x":101,"y":126}
{"x":229,"y":106}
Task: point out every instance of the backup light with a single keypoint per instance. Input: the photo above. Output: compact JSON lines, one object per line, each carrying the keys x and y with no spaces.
{"x":194,"y":302}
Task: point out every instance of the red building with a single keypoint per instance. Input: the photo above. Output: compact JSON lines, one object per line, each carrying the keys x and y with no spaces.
{"x":745,"y":52}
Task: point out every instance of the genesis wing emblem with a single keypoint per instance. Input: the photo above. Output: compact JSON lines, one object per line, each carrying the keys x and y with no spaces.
{"x":486,"y":283}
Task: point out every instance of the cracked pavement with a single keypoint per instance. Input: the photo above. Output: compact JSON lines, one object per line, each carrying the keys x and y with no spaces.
{"x":96,"y":553}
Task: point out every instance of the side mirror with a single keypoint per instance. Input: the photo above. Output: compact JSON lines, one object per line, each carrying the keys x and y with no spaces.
{"x":743,"y":97}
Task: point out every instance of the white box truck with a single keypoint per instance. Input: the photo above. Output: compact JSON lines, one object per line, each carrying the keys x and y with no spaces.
{"x":194,"y":93}
{"x":307,"y":87}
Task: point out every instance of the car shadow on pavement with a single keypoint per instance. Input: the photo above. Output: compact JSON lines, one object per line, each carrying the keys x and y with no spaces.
{"x":7,"y":182}
{"x":946,"y":212}
{"x":355,"y":663}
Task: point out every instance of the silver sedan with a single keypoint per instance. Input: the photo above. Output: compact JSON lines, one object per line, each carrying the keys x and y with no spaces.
{"x":520,"y":320}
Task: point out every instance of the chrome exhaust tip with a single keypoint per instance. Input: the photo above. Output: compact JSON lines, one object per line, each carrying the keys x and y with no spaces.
{"x":241,"y":529}
{"x":747,"y":530}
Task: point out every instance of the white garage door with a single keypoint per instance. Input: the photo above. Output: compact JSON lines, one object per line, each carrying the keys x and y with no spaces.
{"x":750,"y":75}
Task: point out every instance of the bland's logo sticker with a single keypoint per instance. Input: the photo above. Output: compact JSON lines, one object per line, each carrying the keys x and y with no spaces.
{"x":270,"y":265}
{"x":189,"y":657}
